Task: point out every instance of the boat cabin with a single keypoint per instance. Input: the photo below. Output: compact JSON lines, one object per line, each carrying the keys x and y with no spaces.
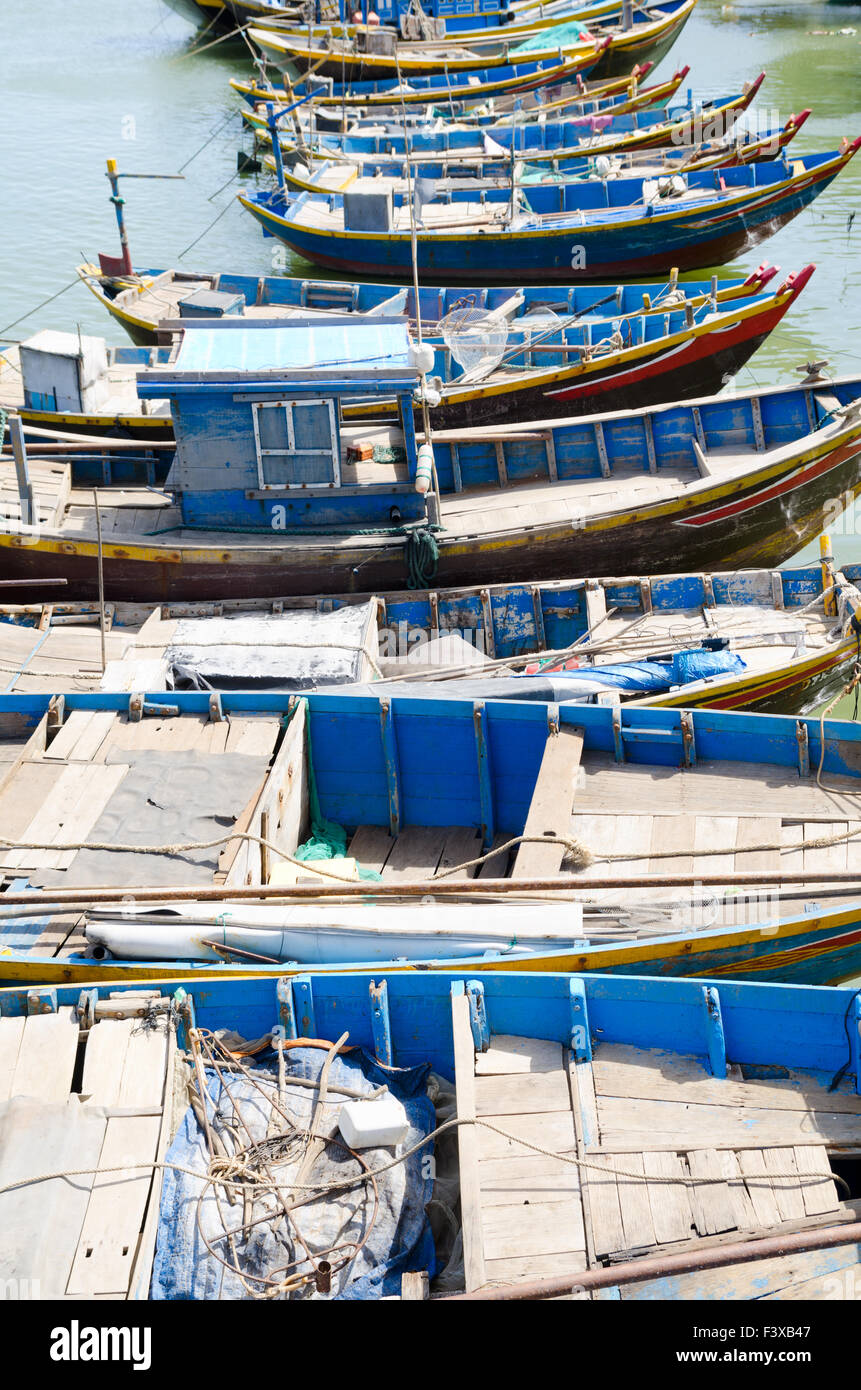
{"x":261,"y":444}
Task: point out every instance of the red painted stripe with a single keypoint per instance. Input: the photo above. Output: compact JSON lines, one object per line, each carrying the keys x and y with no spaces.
{"x":788,"y":483}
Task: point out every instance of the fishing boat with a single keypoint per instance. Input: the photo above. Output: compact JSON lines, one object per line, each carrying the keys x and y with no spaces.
{"x":577,"y":97}
{"x":769,"y":640}
{"x":379,"y":57}
{"x":149,"y":835}
{"x":412,"y":23}
{"x":649,"y":36}
{"x":252,"y":506}
{"x":504,"y":363}
{"x":607,"y":1129}
{"x":599,"y":229}
{"x":551,"y":141}
{"x":457,"y":180}
{"x":143,"y":299}
{"x":76,"y":384}
{"x":474,"y":86}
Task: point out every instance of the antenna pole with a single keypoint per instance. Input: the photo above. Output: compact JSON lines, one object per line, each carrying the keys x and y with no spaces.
{"x":415,"y":265}
{"x":118,"y":203}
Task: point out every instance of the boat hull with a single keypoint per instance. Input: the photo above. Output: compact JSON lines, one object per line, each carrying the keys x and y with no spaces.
{"x":819,"y":950}
{"x":690,"y":238}
{"x":698,"y":367}
{"x":761,"y":519}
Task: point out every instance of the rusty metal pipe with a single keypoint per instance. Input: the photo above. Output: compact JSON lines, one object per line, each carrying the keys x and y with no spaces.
{"x":442,"y":887}
{"x":659,"y":1266}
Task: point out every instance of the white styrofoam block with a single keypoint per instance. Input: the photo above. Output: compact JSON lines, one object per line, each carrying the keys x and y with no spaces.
{"x":372,"y":1124}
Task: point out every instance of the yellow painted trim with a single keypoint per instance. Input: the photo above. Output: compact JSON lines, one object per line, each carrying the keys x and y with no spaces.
{"x":16,"y":967}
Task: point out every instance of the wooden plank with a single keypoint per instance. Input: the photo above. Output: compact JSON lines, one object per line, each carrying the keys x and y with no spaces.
{"x":104,"y":1061}
{"x":634,"y":1205}
{"x":646,"y":1073}
{"x":47,"y":1055}
{"x":735,"y":789}
{"x":820,"y":1194}
{"x":582,"y":1084}
{"x":829,"y":857}
{"x":550,"y":807}
{"x":607,"y":1231}
{"x":497,"y":865}
{"x":530,"y":1178}
{"x":522,"y":1095}
{"x":787,"y":1191}
{"x":509,"y":1056}
{"x":371,"y":846}
{"x":551,"y":1130}
{"x":115,"y":1214}
{"x":711,"y":1203}
{"x":88,"y":745}
{"x":462,"y":843}
{"x":254,"y":737}
{"x":528,"y":1229}
{"x":792,"y":859}
{"x":758,"y":830}
{"x":467,"y":1144}
{"x":11,"y":1033}
{"x":65,"y":741}
{"x":416,"y":852}
{"x":670,"y":1204}
{"x":520,"y":1267}
{"x":759,"y":1187}
{"x":630,"y":1124}
{"x":109,"y":1235}
{"x":669,"y":833}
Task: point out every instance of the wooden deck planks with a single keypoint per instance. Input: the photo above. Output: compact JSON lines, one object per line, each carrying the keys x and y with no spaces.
{"x":115,"y":1213}
{"x":670,"y":1203}
{"x":371,"y":846}
{"x":46,"y":1057}
{"x":621,"y":1070}
{"x":416,"y":852}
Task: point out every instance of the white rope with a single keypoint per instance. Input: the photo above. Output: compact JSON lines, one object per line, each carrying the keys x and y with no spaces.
{"x":341,"y":1184}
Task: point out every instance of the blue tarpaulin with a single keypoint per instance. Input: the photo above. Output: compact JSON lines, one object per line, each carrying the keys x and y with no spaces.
{"x":392,"y":1234}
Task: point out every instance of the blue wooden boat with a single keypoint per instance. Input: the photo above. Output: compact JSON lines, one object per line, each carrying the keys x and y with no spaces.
{"x":590,"y":641}
{"x":469,"y":21}
{"x":462,"y":180}
{"x":586,"y":231}
{"x":580,"y":98}
{"x":607,"y":1129}
{"x":347,"y":507}
{"x":507,"y":365}
{"x":476,"y":85}
{"x":142,"y":300}
{"x":681,"y":124}
{"x":348,"y":64}
{"x":673,"y":842}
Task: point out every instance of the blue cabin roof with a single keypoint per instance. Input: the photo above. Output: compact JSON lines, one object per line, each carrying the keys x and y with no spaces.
{"x":339,"y":351}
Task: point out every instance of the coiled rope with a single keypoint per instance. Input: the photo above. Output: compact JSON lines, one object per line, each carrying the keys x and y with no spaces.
{"x":422,"y":554}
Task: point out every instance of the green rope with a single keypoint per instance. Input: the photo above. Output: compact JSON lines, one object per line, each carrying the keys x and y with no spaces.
{"x":422,"y":558}
{"x":327,"y":840}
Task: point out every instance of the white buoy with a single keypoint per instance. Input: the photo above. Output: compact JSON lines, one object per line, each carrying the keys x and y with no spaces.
{"x":424,"y":468}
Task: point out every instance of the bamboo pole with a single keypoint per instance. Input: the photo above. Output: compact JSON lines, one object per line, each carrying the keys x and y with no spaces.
{"x":433,"y":887}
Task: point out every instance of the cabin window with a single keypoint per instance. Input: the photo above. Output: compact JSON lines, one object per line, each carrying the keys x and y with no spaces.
{"x":298,"y":443}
